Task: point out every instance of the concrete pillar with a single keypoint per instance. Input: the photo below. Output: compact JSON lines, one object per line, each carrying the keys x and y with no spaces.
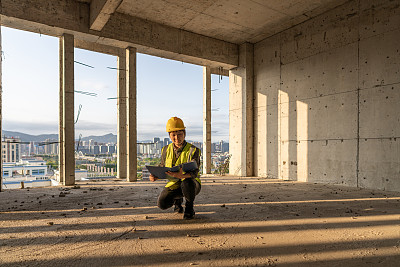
{"x":68,"y":108}
{"x":241,"y":136}
{"x":1,"y":115}
{"x":206,"y":120}
{"x":131,"y":114}
{"x":121,"y":121}
{"x":61,"y":114}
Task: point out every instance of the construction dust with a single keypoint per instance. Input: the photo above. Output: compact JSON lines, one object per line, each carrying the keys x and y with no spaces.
{"x":239,"y":222}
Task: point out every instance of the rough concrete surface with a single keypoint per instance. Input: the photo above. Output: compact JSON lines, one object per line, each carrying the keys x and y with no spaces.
{"x":239,"y":222}
{"x":326,"y":98}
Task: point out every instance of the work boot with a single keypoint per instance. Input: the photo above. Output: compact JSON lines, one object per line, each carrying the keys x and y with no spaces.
{"x":178,"y":205}
{"x":189,"y":211}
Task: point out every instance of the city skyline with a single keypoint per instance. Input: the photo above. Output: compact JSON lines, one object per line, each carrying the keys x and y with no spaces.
{"x":54,"y":137}
{"x":160,"y":82}
{"x":17,"y":148}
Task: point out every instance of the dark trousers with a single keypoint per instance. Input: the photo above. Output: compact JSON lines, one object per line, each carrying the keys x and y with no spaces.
{"x":189,"y":188}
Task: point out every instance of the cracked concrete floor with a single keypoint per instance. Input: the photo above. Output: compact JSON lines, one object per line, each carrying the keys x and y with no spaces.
{"x":239,"y":222}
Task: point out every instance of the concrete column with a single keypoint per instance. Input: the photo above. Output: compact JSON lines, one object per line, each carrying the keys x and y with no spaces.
{"x":241,"y":136}
{"x":206,"y":120}
{"x":61,"y":114}
{"x":68,"y":108}
{"x":131,"y":114}
{"x":121,"y":113}
{"x":1,"y":115}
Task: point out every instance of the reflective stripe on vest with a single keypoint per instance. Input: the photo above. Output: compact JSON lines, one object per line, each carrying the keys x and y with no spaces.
{"x":185,"y":156}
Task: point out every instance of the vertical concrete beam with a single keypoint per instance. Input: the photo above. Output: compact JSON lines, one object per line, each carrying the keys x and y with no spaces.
{"x":61,"y":114}
{"x":121,"y":114}
{"x":206,"y":120}
{"x":68,"y":109}
{"x":1,"y":114}
{"x":241,"y":136}
{"x":131,"y":114}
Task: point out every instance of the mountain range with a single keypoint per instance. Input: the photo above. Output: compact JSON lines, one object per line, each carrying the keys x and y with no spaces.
{"x":107,"y":138}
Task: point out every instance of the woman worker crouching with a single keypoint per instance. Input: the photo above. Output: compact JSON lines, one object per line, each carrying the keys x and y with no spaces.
{"x":187,"y":184}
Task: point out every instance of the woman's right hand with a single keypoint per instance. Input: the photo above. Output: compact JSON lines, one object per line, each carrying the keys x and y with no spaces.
{"x":153,"y":178}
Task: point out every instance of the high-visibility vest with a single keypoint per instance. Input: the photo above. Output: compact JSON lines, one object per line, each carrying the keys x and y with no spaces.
{"x":185,"y":156}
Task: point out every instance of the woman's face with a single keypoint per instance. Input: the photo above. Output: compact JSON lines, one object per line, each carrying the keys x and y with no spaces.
{"x":177,"y":138}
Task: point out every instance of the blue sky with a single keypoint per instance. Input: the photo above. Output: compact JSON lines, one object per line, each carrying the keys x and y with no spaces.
{"x":165,"y":88}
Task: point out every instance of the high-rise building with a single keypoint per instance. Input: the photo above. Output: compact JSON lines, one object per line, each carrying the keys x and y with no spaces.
{"x":31,"y":148}
{"x":224,"y":146}
{"x":166,"y":141}
{"x":51,"y":147}
{"x":95,"y":149}
{"x":11,"y":149}
{"x":111,"y":148}
{"x":46,"y":147}
{"x":54,"y":149}
{"x":103,"y":149}
{"x":145,"y":149}
{"x":158,"y":145}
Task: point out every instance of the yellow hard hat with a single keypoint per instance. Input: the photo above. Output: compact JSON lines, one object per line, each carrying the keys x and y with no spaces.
{"x":175,"y":124}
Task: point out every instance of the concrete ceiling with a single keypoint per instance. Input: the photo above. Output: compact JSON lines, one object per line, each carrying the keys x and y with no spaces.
{"x":235,"y":21}
{"x":203,"y":32}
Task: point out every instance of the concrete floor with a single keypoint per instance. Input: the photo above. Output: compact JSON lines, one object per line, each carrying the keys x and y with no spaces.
{"x":239,"y":222}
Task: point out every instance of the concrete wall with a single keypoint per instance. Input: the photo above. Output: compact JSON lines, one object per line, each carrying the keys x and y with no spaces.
{"x":327,"y":98}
